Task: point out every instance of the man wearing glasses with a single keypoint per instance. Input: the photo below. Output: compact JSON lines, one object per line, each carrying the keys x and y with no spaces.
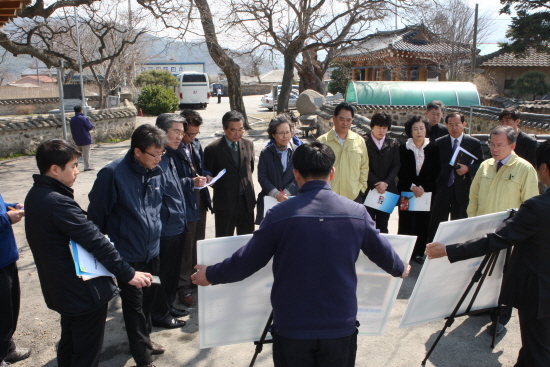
{"x":190,"y":168}
{"x":501,"y":183}
{"x":234,"y":197}
{"x":125,"y":203}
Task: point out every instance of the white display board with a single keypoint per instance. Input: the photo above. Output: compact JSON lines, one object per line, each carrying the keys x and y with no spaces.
{"x":237,"y":312}
{"x":441,"y":284}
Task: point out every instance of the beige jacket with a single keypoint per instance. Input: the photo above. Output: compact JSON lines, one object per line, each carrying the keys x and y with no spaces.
{"x":352,"y":164}
{"x":493,"y":191}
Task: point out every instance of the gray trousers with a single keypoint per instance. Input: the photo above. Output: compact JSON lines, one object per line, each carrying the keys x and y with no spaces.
{"x":85,"y":150}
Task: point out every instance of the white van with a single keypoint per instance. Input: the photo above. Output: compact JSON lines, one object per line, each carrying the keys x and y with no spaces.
{"x":193,"y":89}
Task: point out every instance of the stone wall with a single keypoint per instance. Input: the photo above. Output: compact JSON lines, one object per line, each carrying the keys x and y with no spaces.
{"x":23,"y":134}
{"x":10,"y":107}
{"x":255,"y":89}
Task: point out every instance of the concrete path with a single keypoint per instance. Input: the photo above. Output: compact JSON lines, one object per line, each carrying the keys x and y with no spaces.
{"x":466,"y":343}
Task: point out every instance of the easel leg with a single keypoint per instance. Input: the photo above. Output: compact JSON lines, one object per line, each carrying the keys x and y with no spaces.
{"x":260,"y":343}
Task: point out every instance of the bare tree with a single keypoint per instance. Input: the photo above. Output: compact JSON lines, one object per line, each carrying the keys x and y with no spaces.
{"x":453,"y":21}
{"x":292,"y":27}
{"x":222,"y":58}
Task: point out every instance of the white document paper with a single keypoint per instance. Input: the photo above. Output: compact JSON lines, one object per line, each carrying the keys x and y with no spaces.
{"x":441,"y":284}
{"x":410,"y":203}
{"x":385,"y":202}
{"x":270,"y":202}
{"x":218,"y":176}
{"x":237,"y":312}
{"x":86,"y":265}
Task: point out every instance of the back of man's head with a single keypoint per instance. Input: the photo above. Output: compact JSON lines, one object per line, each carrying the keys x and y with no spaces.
{"x":192,"y":117}
{"x":314,"y":160}
{"x":55,"y":152}
{"x":165,"y":120}
{"x":543,"y":154}
{"x":77,"y":109}
{"x":147,"y":135}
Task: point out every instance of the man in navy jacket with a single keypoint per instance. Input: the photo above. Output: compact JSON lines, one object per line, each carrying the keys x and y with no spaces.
{"x":189,"y":159}
{"x":80,"y":130}
{"x":125,"y":203}
{"x":53,"y":218}
{"x":172,"y":215}
{"x":10,"y":293}
{"x":309,"y":327}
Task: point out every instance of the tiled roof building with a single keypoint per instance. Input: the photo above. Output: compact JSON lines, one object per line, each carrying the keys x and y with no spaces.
{"x":505,"y":68}
{"x":409,"y":54}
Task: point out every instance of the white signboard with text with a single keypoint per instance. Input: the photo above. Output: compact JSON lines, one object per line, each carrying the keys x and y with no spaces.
{"x":237,"y":312}
{"x":441,"y":284}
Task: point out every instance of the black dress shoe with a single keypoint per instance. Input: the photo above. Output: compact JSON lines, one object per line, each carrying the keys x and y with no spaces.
{"x":172,"y":324}
{"x":178,"y":312}
{"x":157,"y":348}
{"x":419,"y":259}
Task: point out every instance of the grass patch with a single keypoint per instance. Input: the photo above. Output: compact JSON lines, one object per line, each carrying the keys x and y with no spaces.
{"x":112,"y":141}
{"x":16,"y":155}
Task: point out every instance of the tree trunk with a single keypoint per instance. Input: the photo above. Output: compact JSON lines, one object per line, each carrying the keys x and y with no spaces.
{"x":229,"y":67}
{"x":286,"y":85}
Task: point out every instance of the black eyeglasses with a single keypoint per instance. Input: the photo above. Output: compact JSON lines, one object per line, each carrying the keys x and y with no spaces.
{"x":155,"y":155}
{"x":192,"y":135}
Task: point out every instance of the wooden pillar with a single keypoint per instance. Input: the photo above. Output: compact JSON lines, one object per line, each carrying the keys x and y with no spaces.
{"x":423,"y":74}
{"x":396,"y":74}
{"x":408,"y":74}
{"x":443,"y":75}
{"x":354,"y":74}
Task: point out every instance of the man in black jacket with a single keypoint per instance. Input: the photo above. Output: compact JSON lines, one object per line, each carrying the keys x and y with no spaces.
{"x":53,"y":218}
{"x":453,"y":184}
{"x":434,"y":113}
{"x":125,"y":203}
{"x":526,"y":146}
{"x":189,"y":160}
{"x":526,"y":284}
{"x":383,"y":164}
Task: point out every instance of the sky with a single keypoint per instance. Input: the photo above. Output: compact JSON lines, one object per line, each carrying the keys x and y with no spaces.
{"x":492,"y":8}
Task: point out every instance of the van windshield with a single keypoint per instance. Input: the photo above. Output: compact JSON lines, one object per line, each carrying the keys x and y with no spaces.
{"x":193,"y":78}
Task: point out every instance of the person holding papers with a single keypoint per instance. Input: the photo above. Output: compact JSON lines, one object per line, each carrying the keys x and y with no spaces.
{"x":384,"y":164}
{"x":526,"y":284}
{"x":190,"y":167}
{"x":53,"y":218}
{"x":453,"y":182}
{"x":10,"y":293}
{"x":125,"y":203}
{"x":275,"y":168}
{"x":172,"y":215}
{"x":315,"y":240}
{"x":419,"y":168}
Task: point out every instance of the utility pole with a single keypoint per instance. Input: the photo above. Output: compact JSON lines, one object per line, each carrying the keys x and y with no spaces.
{"x":474,"y":46}
{"x":84,"y":109}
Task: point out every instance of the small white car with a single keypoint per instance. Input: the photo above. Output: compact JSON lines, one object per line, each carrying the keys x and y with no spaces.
{"x":267,"y":100}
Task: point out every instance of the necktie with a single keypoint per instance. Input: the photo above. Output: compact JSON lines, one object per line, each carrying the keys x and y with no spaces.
{"x":234,"y":145}
{"x":452,"y":175}
{"x":499,"y":164}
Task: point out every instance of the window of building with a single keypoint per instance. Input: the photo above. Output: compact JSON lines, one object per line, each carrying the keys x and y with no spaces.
{"x":508,"y":83}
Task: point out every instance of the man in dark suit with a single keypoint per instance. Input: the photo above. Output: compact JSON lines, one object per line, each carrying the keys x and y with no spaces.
{"x":234,"y":197}
{"x":453,"y":185}
{"x":526,"y":145}
{"x":434,"y":113}
{"x":526,"y":284}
